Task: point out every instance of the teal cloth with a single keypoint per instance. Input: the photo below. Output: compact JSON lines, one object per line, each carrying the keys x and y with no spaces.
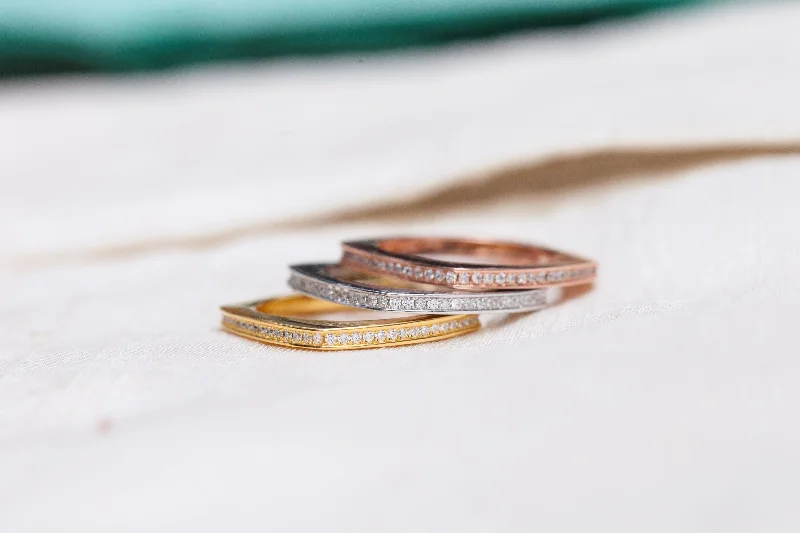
{"x":121,"y":35}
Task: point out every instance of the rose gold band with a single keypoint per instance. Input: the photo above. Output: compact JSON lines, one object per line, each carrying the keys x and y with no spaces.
{"x":501,"y":264}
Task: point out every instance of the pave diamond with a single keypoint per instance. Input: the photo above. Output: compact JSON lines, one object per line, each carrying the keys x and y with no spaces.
{"x":355,"y":338}
{"x":463,"y":278}
{"x":297,"y":337}
{"x":330,"y":338}
{"x":450,"y":277}
{"x":344,"y":338}
{"x":393,"y":334}
{"x":439,"y":276}
{"x":429,"y":275}
{"x":488,"y":278}
{"x":477,"y":277}
{"x":317,"y":338}
{"x":404,"y":333}
{"x":500,"y":278}
{"x":369,"y":337}
{"x":418,"y":273}
{"x":424,"y":331}
{"x":381,"y":336}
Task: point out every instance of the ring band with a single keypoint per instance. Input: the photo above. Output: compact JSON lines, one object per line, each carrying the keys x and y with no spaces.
{"x":264,"y":321}
{"x":337,"y":284}
{"x":519,"y":266}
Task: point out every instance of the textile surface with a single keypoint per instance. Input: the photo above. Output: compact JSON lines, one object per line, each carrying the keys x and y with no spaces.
{"x":663,"y":399}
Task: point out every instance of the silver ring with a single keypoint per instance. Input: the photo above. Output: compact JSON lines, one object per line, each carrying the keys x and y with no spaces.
{"x":342,"y":285}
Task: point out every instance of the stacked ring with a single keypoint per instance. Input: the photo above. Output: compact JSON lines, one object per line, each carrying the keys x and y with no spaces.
{"x":400,"y":275}
{"x":513,"y":266}
{"x":282,"y":321}
{"x":339,"y":284}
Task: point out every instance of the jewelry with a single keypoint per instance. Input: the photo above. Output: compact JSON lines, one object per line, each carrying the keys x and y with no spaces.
{"x":266,"y":321}
{"x":518,"y":266}
{"x":344,"y":286}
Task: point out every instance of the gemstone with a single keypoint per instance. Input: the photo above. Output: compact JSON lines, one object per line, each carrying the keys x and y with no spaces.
{"x":500,"y":278}
{"x":450,"y":277}
{"x":381,"y":336}
{"x":476,"y":277}
{"x":355,"y":338}
{"x":307,"y":338}
{"x":404,"y":333}
{"x":344,"y":338}
{"x":369,"y":337}
{"x":406,"y":303}
{"x":317,"y":338}
{"x":429,"y":275}
{"x":439,"y":276}
{"x":424,"y":331}
{"x":435,"y":329}
{"x":463,"y":278}
{"x":415,"y":332}
{"x":407,"y":271}
{"x":456,"y":303}
{"x":488,"y":278}
{"x":393,"y":334}
{"x":433,"y":304}
{"x":330,"y":338}
{"x":418,"y":273}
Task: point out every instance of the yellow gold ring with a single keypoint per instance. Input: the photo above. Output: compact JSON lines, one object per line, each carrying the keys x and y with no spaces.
{"x":283,"y":321}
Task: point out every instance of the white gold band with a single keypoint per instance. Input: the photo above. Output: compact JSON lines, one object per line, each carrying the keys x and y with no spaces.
{"x":334,"y":283}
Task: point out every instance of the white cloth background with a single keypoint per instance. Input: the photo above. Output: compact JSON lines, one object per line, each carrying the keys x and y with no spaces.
{"x":663,"y":400}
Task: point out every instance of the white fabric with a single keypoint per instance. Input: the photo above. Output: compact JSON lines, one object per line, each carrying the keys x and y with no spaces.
{"x":663,"y":400}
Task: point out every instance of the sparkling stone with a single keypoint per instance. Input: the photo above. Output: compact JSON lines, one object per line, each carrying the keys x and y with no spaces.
{"x":539,"y":277}
{"x":381,"y":265}
{"x":307,"y":338}
{"x":429,"y":275}
{"x":456,"y":303}
{"x":477,"y":277}
{"x":488,"y":278}
{"x":435,"y":329}
{"x":404,"y":333}
{"x":406,"y":303}
{"x":394,"y":303}
{"x":522,"y":278}
{"x":297,"y":337}
{"x":381,"y":336}
{"x":418,"y":273}
{"x":500,"y":278}
{"x":317,"y":339}
{"x":439,"y":276}
{"x":407,"y":271}
{"x":463,"y":278}
{"x":287,"y":336}
{"x":330,"y":338}
{"x":262,"y":330}
{"x":344,"y":338}
{"x":355,"y":338}
{"x":424,"y":331}
{"x":415,"y":332}
{"x":511,"y":279}
{"x":433,"y":304}
{"x":393,"y":334}
{"x":369,"y":337}
{"x":450,"y":277}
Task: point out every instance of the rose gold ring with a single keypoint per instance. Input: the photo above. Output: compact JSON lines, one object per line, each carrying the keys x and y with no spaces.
{"x":468,"y":264}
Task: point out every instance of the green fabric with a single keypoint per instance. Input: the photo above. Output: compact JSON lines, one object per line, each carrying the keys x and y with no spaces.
{"x":120,"y":35}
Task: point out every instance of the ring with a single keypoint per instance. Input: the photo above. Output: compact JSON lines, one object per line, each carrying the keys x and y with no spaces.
{"x":345,"y":286}
{"x":281,"y":321}
{"x":509,"y":266}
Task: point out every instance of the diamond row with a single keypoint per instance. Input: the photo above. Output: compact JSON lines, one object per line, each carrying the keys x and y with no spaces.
{"x":478,"y":279}
{"x":376,"y":336}
{"x":371,"y":299}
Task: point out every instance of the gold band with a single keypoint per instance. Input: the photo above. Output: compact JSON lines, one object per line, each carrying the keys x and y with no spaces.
{"x":266,"y":321}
